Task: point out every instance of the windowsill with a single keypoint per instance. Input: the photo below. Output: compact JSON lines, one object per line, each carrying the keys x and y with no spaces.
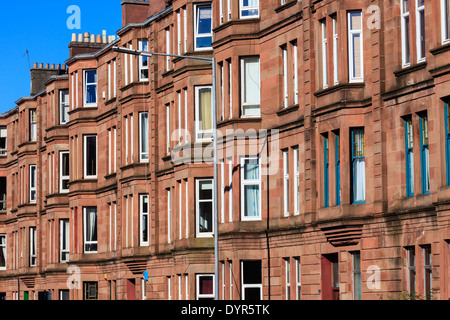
{"x":167,"y":157}
{"x":236,"y":22}
{"x":442,"y":48}
{"x":285,"y":6}
{"x":340,"y":86}
{"x":238,"y":120}
{"x":167,"y":73}
{"x":112,"y":100}
{"x":287,"y":110}
{"x":132,"y":84}
{"x":111,"y":175}
{"x":28,"y":143}
{"x":411,"y":68}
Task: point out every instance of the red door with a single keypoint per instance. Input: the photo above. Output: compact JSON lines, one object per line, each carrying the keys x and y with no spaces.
{"x":330,"y":277}
{"x":131,"y":289}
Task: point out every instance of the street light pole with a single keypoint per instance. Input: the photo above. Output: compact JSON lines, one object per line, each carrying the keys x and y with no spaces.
{"x":214,"y":115}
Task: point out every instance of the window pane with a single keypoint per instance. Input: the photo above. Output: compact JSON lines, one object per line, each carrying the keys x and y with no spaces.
{"x":356,"y":38}
{"x":251,"y":196}
{"x":251,"y":169}
{"x":252,"y":272}
{"x":205,"y":190}
{"x":205,"y":110}
{"x":206,"y":216}
{"x":359,"y":179}
{"x":251,"y":81}
{"x":206,"y":285}
{"x":91,"y":156}
{"x":252,"y":294}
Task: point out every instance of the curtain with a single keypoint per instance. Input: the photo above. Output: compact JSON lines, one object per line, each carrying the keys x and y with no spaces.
{"x":205,"y":109}
{"x":360,"y":179}
{"x":427,"y":168}
{"x":251,"y":191}
{"x":144,"y":133}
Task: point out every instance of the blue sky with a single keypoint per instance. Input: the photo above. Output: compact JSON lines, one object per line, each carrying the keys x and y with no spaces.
{"x":41,"y":28}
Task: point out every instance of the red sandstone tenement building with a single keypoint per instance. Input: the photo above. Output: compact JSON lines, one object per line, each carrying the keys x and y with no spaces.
{"x":354,"y":97}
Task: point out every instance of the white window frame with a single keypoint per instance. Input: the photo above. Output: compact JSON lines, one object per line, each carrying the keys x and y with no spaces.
{"x":351,"y":33}
{"x":168,"y":48}
{"x":142,"y":214}
{"x":3,"y":247}
{"x":335,"y":52}
{"x":200,"y":234}
{"x":221,"y":18}
{"x":243,"y":8}
{"x":197,"y":35}
{"x":421,"y":56}
{"x":286,"y":183}
{"x":85,"y":242}
{"x":169,"y":214}
{"x":61,"y":176}
{"x":185,"y":28}
{"x":298,"y":280}
{"x":178,"y":32}
{"x":33,"y":247}
{"x":323,"y":27}
{"x":85,"y":85}
{"x":222,"y":191}
{"x":197,"y":287}
{"x":230,"y":190}
{"x":295,"y":77}
{"x":285,"y":76}
{"x":198,"y":130}
{"x":445,"y":25}
{"x":168,"y":128}
{"x":296,"y":181}
{"x":405,"y":31}
{"x":86,"y":176}
{"x":245,"y":286}
{"x":252,"y":182}
{"x":141,"y":60}
{"x":33,"y":124}
{"x":287,"y":269}
{"x":143,"y":156}
{"x":64,"y":106}
{"x":229,"y":9}
{"x":33,"y":187}
{"x":245,"y":104}
{"x":64,"y":230}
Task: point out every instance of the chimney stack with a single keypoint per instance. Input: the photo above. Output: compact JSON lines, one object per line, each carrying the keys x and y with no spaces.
{"x":134,"y":11}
